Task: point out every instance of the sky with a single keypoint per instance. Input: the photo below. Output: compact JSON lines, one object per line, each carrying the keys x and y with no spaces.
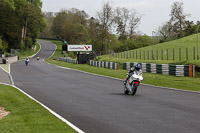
{"x":154,"y":12}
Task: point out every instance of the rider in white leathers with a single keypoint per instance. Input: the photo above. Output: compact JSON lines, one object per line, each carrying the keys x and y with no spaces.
{"x":137,"y":69}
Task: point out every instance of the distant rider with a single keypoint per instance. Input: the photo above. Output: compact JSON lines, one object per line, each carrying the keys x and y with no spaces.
{"x":137,"y":69}
{"x":38,"y":57}
{"x":27,"y":61}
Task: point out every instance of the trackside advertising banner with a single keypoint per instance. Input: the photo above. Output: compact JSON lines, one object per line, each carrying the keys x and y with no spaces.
{"x":79,"y":48}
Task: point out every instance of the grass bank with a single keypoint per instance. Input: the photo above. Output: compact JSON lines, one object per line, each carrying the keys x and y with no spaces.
{"x":28,"y":52}
{"x":167,"y":52}
{"x":27,"y":116}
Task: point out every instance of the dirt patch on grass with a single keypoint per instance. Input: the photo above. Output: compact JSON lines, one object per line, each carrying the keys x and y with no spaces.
{"x":3,"y":113}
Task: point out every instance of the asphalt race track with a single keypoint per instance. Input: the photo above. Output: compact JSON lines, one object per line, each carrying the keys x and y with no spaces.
{"x":97,"y":104}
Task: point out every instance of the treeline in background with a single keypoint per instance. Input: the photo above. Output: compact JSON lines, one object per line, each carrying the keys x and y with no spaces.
{"x":114,"y":29}
{"x":20,"y":23}
{"x":111,"y":30}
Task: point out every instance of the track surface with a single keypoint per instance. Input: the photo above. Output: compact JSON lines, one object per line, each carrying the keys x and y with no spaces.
{"x":97,"y":104}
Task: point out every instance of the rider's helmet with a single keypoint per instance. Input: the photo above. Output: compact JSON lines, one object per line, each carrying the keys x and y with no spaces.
{"x":138,"y":66}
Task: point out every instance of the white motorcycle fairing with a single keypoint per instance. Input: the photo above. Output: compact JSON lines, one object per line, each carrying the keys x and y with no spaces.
{"x":132,"y":84}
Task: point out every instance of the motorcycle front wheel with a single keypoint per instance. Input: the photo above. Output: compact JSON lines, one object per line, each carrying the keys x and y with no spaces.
{"x":134,"y":89}
{"x":125,"y":90}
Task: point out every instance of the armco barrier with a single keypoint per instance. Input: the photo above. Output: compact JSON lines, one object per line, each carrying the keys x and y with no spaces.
{"x":165,"y":69}
{"x":67,"y":59}
{"x":109,"y":65}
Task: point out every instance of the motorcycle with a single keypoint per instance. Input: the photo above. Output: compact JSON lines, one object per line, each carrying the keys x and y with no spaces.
{"x":132,"y":84}
{"x":26,"y":62}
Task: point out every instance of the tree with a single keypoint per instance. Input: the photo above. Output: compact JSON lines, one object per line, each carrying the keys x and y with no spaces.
{"x":10,"y":28}
{"x":58,"y":22}
{"x":105,"y":19}
{"x":81,"y":34}
{"x":134,"y":21}
{"x":166,"y":31}
{"x":20,"y":19}
{"x":178,"y":18}
{"x":190,"y":28}
{"x":49,"y":17}
{"x":68,"y":23}
{"x":122,"y":17}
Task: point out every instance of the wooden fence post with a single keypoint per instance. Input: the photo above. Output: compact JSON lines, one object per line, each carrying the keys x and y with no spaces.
{"x":179,"y":53}
{"x":133,"y":55}
{"x":144,"y":55}
{"x":157,"y":54}
{"x":167,"y":54}
{"x":186,"y":53}
{"x":162,"y":53}
{"x":148,"y":54}
{"x":173,"y":55}
{"x":136,"y":54}
{"x":194,"y":52}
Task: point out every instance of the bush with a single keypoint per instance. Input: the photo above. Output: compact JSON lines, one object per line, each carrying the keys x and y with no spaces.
{"x":28,"y":42}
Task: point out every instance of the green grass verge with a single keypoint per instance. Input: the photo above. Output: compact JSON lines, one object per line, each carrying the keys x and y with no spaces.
{"x":58,"y":52}
{"x":185,"y":83}
{"x":5,"y":67}
{"x":28,"y":52}
{"x":27,"y":116}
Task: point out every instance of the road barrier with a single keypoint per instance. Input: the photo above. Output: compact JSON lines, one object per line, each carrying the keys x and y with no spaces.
{"x":9,"y":60}
{"x":67,"y":59}
{"x":165,"y":69}
{"x":110,"y":65}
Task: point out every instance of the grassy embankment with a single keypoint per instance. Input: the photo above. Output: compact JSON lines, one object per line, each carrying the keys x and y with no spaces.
{"x":27,"y":116}
{"x":187,"y":42}
{"x":29,"y":52}
{"x":185,"y":83}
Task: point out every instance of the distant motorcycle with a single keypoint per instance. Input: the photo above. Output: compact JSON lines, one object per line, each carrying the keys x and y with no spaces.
{"x":26,"y":61}
{"x":132,"y":84}
{"x":38,"y":58}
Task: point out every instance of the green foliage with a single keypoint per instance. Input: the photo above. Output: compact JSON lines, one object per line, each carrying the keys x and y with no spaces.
{"x":137,"y":42}
{"x":20,"y":17}
{"x":1,"y":46}
{"x":9,"y":25}
{"x":28,"y":51}
{"x":81,"y":34}
{"x":70,"y":25}
{"x":28,"y":42}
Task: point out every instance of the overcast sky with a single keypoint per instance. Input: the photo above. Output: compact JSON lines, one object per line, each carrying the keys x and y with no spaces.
{"x":155,"y":12}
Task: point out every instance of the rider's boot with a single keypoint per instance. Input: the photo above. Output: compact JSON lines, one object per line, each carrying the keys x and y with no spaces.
{"x":125,"y":82}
